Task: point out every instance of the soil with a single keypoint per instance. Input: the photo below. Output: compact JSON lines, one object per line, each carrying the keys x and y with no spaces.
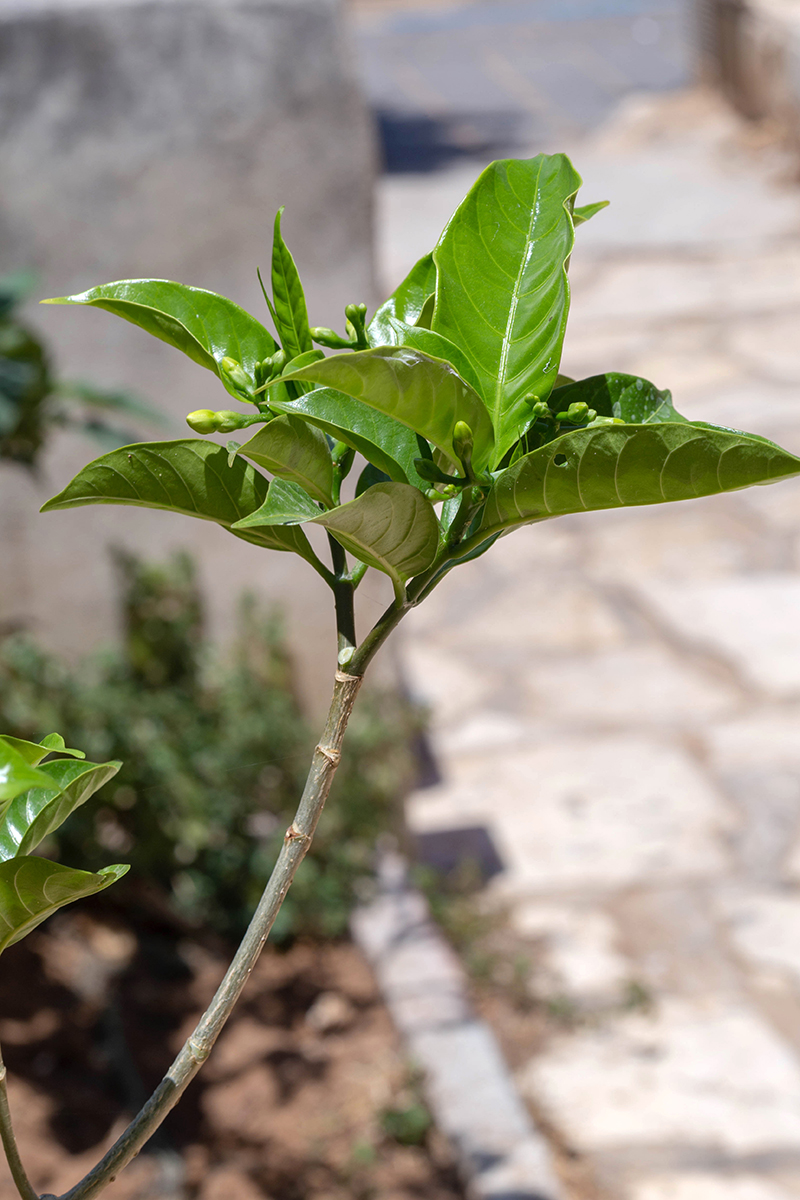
{"x":290,"y":1106}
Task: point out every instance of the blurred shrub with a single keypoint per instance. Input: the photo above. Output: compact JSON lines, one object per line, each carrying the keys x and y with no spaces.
{"x":214,"y":756}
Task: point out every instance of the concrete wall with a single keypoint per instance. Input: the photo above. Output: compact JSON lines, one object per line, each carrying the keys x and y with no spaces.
{"x":157,"y":139}
{"x":751,"y":50}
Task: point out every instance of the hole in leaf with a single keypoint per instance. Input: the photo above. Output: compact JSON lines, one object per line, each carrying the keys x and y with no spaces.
{"x":560,"y":460}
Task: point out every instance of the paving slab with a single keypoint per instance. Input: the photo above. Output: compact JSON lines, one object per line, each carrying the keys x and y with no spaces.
{"x":588,"y":812}
{"x":751,"y":620}
{"x":666,"y":1079}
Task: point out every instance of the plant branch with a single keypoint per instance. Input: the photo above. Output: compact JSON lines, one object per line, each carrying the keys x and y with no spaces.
{"x":23,"y":1184}
{"x":343,"y":598}
{"x":198,"y":1046}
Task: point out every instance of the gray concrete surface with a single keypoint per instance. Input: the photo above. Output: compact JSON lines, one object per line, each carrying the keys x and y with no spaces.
{"x":144,"y":139}
{"x":616,"y":697}
{"x":474,"y":1099}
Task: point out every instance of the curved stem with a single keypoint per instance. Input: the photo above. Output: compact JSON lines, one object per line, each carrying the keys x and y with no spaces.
{"x":197,"y":1048}
{"x":296,"y":843}
{"x":23,"y":1184}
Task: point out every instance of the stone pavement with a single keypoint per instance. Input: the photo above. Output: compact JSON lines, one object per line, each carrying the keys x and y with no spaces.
{"x":616,"y":696}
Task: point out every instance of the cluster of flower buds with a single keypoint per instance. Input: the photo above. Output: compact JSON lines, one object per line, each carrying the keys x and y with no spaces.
{"x":355,"y":327}
{"x":578,"y":413}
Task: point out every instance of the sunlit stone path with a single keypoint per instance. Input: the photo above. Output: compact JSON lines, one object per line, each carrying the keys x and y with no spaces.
{"x":616,"y":697}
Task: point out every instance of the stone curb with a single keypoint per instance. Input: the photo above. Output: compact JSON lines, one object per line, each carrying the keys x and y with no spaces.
{"x":501,"y":1155}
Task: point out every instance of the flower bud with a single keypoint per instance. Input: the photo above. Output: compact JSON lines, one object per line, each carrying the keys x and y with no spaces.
{"x":577,"y":412}
{"x":540,"y":410}
{"x":202,"y":421}
{"x":235,"y":373}
{"x":227,"y":421}
{"x":330,"y":338}
{"x":462,"y":441}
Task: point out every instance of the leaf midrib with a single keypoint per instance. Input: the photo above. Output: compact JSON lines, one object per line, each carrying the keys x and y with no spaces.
{"x":497,"y":408}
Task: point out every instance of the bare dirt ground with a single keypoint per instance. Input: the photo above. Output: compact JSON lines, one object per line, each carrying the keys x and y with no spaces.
{"x":292,"y":1104}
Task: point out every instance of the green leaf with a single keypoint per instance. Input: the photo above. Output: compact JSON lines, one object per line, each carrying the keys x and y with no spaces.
{"x":502,"y":294}
{"x":36,"y":813}
{"x":405,"y":303}
{"x":424,"y":319}
{"x":286,"y":504}
{"x":426,"y":394}
{"x":32,"y":889}
{"x":392,"y":447}
{"x":620,"y":465}
{"x":188,"y":476}
{"x":296,"y":451}
{"x":203,"y":325}
{"x":435,"y":346}
{"x":34,"y":752}
{"x":369,"y":477}
{"x":16,"y":773}
{"x":627,"y":397}
{"x":391,"y":527}
{"x":291,"y":316}
{"x":587,"y":211}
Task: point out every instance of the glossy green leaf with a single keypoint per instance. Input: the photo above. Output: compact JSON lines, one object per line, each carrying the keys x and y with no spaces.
{"x":17,"y":774}
{"x":391,"y":527}
{"x":424,"y":319}
{"x":286,"y":504}
{"x":502,"y":294}
{"x":187,"y":476}
{"x":424,"y":393}
{"x":434,"y":345}
{"x":586,"y":211}
{"x":295,"y":451}
{"x":36,"y":813}
{"x":32,"y":889}
{"x":203,"y":325}
{"x":405,"y":303}
{"x":291,"y":315}
{"x":620,"y":465}
{"x":34,"y":752}
{"x":627,"y":397}
{"x":392,"y":447}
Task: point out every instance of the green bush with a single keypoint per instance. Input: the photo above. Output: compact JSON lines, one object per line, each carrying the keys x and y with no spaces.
{"x":214,"y":753}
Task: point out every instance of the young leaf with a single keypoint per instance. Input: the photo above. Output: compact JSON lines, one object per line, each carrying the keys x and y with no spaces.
{"x":36,"y":813}
{"x":405,"y":303}
{"x":286,"y":504}
{"x":391,"y":527}
{"x":34,"y":752}
{"x":296,"y":451}
{"x":587,"y":211}
{"x":203,"y":325}
{"x":291,"y":316}
{"x":502,"y":294}
{"x":426,"y":394}
{"x":17,"y":774}
{"x":627,"y":397}
{"x":619,"y":465}
{"x":32,"y":889}
{"x":392,"y":447}
{"x":187,"y":476}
